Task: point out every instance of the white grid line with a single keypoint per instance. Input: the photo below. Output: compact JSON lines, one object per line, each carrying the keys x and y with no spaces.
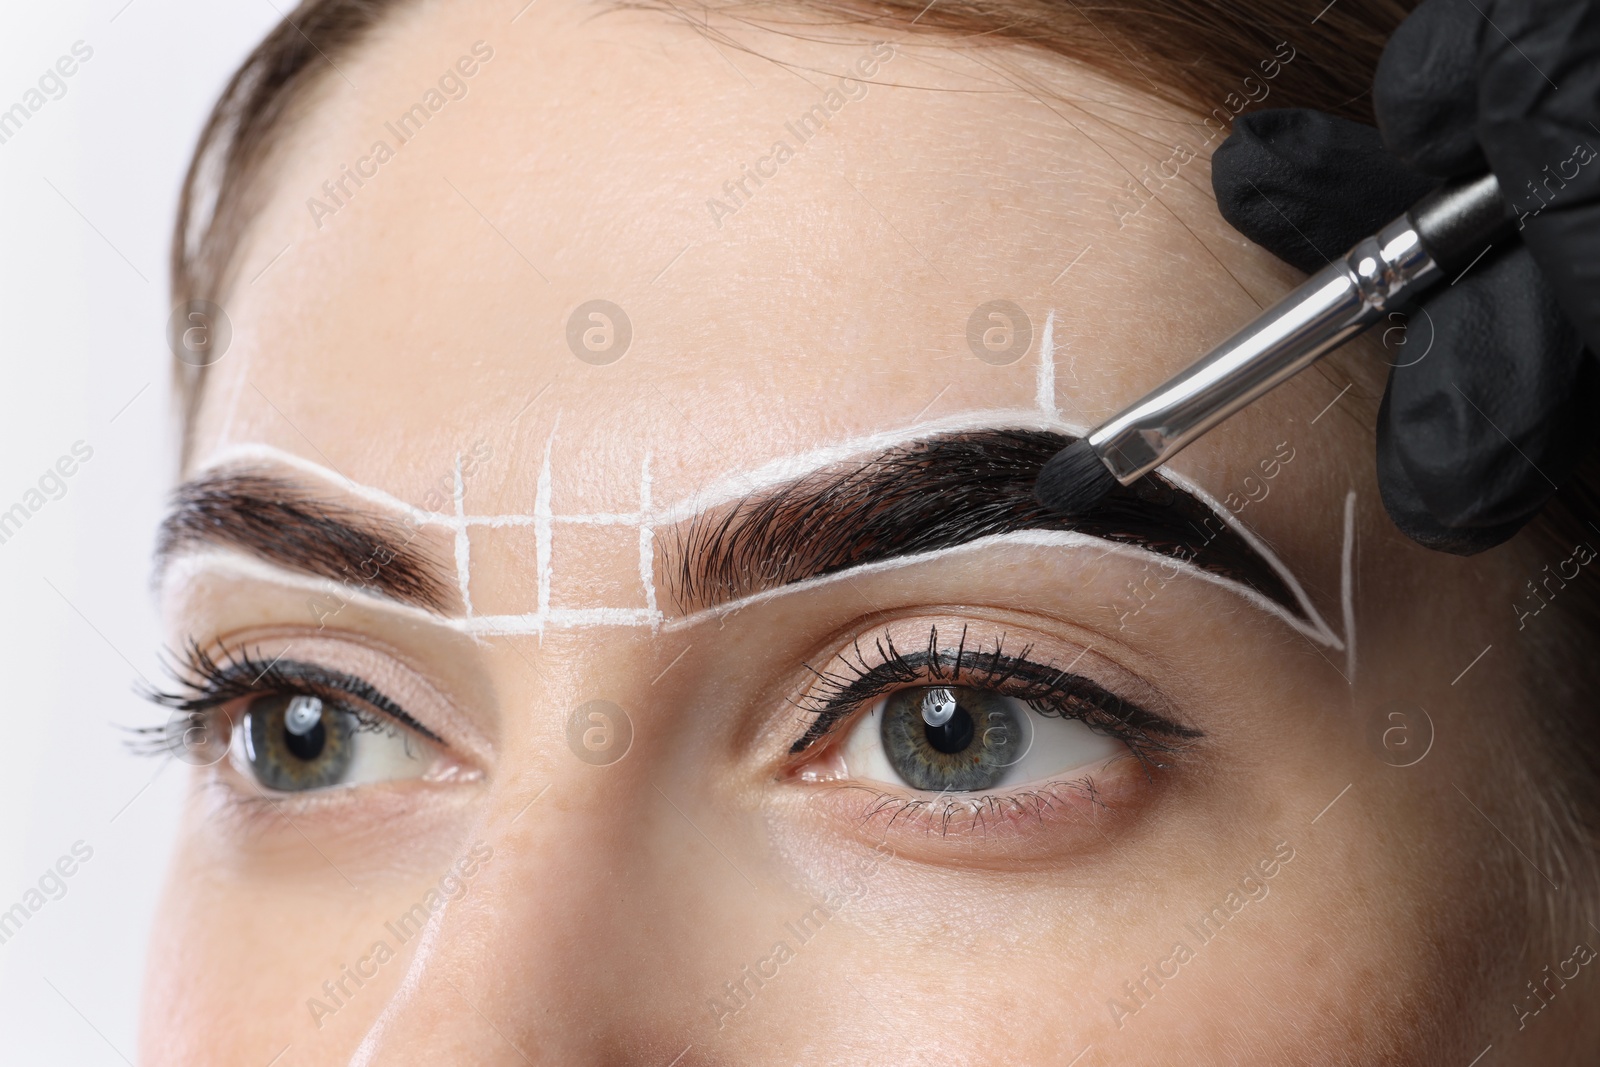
{"x":542,"y":529}
{"x":1045,"y":388}
{"x":647,"y":543}
{"x":1307,"y":620}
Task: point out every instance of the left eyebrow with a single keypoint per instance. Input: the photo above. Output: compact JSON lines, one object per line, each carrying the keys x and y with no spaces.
{"x":280,"y":521}
{"x":934,"y":494}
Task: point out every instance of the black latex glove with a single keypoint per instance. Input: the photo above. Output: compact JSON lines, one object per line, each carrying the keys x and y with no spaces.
{"x":1474,"y":436}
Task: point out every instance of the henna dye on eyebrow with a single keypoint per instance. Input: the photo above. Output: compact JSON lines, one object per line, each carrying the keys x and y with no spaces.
{"x":936,"y":494}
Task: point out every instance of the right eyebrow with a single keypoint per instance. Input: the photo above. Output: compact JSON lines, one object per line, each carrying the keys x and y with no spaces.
{"x":280,"y":521}
{"x":932,"y":494}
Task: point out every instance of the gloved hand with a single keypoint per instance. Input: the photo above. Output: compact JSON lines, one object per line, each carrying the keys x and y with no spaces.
{"x":1474,"y":436}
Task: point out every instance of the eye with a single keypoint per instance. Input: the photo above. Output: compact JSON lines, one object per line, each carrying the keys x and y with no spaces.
{"x":960,"y":712}
{"x":294,"y":742}
{"x":292,"y":727}
{"x":963,"y":739}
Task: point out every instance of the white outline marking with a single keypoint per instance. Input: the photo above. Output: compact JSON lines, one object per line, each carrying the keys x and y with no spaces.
{"x":542,"y":529}
{"x":239,"y":563}
{"x":254,"y":453}
{"x":1316,"y":629}
{"x":555,"y":619}
{"x":580,"y":618}
{"x":647,"y":542}
{"x":735,"y":485}
{"x":1045,"y":389}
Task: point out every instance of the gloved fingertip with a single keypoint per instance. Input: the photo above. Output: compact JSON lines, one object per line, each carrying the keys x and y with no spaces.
{"x":1403,"y":502}
{"x":1425,"y":91}
{"x":1306,"y":185}
{"x":1496,"y":409}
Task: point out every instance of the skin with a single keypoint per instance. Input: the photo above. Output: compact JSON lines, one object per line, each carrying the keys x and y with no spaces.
{"x":428,"y":313}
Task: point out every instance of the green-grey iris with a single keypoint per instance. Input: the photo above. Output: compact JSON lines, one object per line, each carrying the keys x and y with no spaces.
{"x":297,"y":742}
{"x":954,"y":739}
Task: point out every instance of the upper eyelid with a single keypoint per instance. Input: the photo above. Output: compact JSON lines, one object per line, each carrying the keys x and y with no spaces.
{"x":249,"y":680}
{"x":363,"y":690}
{"x":848,"y":696}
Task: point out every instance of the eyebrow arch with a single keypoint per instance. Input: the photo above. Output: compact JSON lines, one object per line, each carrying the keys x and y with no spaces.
{"x":280,"y":521}
{"x":933,"y":494}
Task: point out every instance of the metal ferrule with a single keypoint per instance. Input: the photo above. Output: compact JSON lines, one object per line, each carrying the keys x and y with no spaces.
{"x":1337,"y":302}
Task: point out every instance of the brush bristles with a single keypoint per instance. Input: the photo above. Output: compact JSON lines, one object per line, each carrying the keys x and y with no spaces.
{"x":1074,"y":480}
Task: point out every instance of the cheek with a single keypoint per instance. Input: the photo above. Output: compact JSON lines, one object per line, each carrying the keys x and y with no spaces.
{"x":207,"y":977}
{"x":236,"y":969}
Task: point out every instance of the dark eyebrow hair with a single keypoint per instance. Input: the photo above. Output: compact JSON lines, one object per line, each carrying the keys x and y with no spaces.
{"x":279,"y":520}
{"x":933,"y":494}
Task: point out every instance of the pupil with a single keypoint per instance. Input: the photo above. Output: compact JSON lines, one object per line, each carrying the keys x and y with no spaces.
{"x":954,"y":735}
{"x":295,"y":742}
{"x":308,"y":745}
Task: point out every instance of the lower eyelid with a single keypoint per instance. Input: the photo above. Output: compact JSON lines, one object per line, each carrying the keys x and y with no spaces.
{"x":1060,"y":820}
{"x":959,"y":814}
{"x":1016,"y":660}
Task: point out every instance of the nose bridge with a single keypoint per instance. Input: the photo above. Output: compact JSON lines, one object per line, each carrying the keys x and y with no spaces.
{"x":543,"y":956}
{"x":497,"y":974}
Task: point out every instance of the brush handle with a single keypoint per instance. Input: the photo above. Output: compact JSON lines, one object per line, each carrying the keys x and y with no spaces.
{"x":1443,"y":233}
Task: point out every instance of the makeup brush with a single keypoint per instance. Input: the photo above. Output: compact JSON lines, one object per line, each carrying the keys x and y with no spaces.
{"x":1442,"y":235}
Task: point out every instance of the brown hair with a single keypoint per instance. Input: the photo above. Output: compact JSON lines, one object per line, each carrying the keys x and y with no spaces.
{"x":224,"y":186}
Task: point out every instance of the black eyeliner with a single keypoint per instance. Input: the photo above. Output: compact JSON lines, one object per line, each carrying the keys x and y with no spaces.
{"x":208,"y":684}
{"x":1048,"y":689}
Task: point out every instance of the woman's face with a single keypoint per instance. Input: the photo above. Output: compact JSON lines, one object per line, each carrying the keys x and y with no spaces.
{"x":669,"y":680}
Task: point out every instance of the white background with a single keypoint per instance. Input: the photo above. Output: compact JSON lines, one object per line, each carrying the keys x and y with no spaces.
{"x":89,"y":186}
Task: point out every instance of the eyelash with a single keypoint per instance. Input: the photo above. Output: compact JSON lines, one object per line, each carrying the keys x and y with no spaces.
{"x":207,"y":683}
{"x":1049,"y":690}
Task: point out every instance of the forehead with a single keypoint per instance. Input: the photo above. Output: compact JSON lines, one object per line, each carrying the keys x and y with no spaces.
{"x":813,"y":243}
